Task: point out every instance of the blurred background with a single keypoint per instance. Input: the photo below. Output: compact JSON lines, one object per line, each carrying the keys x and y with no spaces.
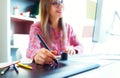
{"x":96,"y":23}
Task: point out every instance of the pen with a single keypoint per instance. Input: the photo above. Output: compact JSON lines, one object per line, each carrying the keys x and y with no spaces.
{"x":43,"y":42}
{"x":25,"y":66}
{"x":45,"y":45}
{"x":5,"y":70}
{"x":15,"y":68}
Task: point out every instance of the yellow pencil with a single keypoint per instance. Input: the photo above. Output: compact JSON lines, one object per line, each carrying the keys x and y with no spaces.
{"x":25,"y":66}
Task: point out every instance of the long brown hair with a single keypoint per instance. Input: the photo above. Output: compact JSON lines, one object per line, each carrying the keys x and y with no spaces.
{"x":44,"y":9}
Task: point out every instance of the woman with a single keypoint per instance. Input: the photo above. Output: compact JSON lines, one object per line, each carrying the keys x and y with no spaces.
{"x":59,"y":36}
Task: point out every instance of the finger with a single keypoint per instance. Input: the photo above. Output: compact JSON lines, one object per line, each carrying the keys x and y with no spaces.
{"x":49,"y":61}
{"x":44,"y":53}
{"x":54,"y":52}
{"x":48,"y":57}
{"x":43,"y":59}
{"x":40,"y":56}
{"x":71,"y":51}
{"x":49,"y":54}
{"x":68,"y":49}
{"x":39,"y":60}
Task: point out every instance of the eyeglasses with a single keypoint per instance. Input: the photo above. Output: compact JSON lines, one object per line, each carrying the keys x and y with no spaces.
{"x":57,"y":3}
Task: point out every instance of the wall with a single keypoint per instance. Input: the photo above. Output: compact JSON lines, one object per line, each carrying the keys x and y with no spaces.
{"x":4,"y":30}
{"x":75,"y":13}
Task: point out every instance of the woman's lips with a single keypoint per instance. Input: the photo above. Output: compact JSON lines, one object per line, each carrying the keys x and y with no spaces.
{"x":59,"y":11}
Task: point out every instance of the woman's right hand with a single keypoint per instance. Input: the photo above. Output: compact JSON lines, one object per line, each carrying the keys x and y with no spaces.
{"x":44,"y":56}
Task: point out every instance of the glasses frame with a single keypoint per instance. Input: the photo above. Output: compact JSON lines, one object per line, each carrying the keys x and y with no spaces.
{"x":57,"y":3}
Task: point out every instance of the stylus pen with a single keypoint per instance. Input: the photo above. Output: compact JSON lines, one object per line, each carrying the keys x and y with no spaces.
{"x":46,"y":46}
{"x":15,"y":68}
{"x":5,"y":70}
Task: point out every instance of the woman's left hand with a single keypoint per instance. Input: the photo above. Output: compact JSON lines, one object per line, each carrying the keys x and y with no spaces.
{"x":70,"y":50}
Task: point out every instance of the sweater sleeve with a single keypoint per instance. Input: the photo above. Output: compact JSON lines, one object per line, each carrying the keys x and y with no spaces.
{"x":72,"y":38}
{"x":34,"y":43}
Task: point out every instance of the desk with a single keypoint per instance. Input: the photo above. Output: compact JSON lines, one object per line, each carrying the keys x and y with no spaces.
{"x":109,"y":69}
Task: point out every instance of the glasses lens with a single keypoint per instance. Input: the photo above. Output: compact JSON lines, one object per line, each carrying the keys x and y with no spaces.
{"x":57,"y":2}
{"x":60,"y":1}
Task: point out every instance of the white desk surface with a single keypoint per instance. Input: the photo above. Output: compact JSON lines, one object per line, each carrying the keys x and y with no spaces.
{"x":110,"y":67}
{"x":109,"y":71}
